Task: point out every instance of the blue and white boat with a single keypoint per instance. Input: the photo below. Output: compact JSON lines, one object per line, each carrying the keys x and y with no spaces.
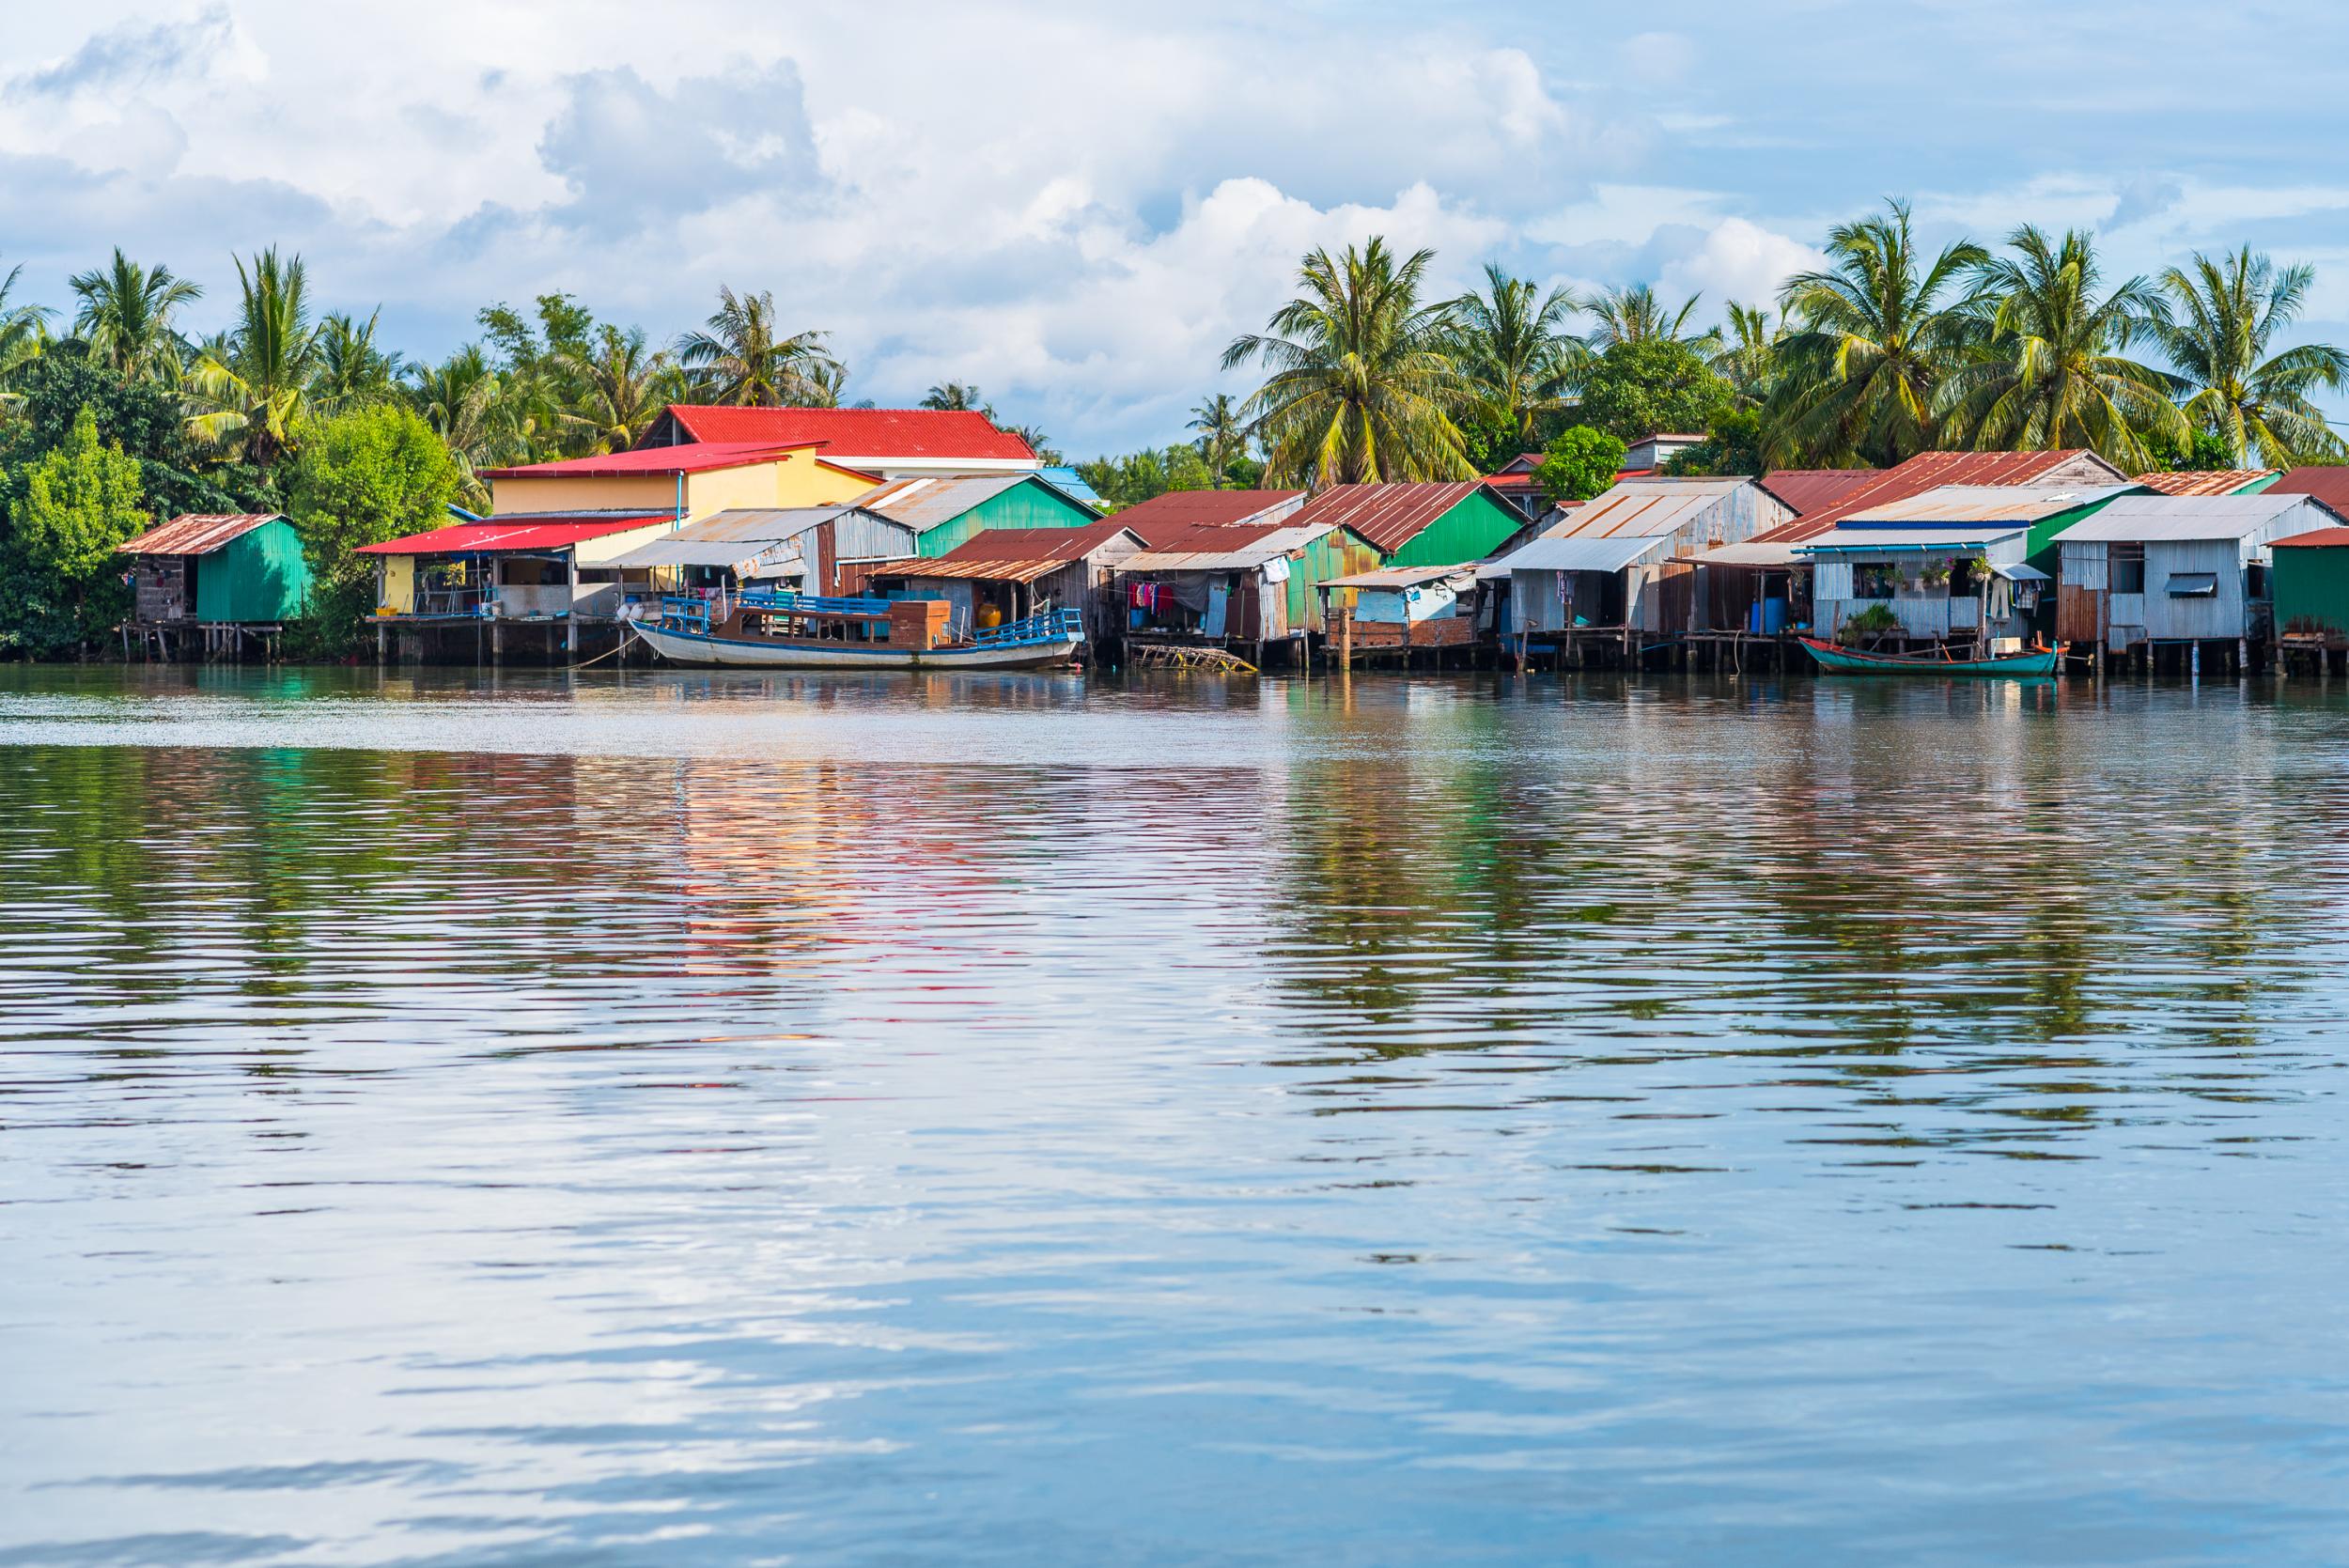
{"x":786,"y":630}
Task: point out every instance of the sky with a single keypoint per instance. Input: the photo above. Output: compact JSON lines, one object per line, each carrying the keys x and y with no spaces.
{"x":1077,"y":207}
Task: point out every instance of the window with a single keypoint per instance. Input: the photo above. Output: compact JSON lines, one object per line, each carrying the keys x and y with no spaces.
{"x":1874,"y":580}
{"x":2128,"y":567}
{"x":2255,"y":583}
{"x":2193,"y":584}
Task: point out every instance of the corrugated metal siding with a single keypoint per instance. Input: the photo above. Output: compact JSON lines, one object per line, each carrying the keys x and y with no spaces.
{"x":861,"y":535}
{"x":1336,"y":553}
{"x":1023,"y":505}
{"x":2224,"y":615}
{"x":257,"y":576}
{"x":1479,"y":524}
{"x":2311,"y":588}
{"x":1833,"y":580}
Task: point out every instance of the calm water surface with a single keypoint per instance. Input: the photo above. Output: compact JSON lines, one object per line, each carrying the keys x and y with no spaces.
{"x":674,"y":1119}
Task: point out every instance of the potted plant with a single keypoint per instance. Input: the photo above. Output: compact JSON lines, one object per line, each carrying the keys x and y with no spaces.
{"x":1933,"y":574}
{"x":1870,"y":624}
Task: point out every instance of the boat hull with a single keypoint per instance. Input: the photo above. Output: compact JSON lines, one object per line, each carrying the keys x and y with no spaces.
{"x":768,"y":653}
{"x":1851,"y":661}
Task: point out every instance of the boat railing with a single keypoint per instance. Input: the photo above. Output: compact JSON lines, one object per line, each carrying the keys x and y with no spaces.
{"x":1053,"y":626}
{"x":791,"y":601}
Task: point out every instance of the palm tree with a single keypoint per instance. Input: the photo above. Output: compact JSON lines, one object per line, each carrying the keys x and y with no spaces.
{"x":1362,"y":387}
{"x":126,"y":316}
{"x":463,"y":399}
{"x":2222,"y":315}
{"x":1872,"y":338}
{"x":739,"y":360}
{"x":24,"y":334}
{"x":2054,"y":371}
{"x":625,"y":389}
{"x":351,"y":370}
{"x":1638,"y":315}
{"x":954,"y":395}
{"x":252,"y":388}
{"x":827,"y":384}
{"x":1222,"y":433}
{"x":1514,"y":345}
{"x":1748,"y":357}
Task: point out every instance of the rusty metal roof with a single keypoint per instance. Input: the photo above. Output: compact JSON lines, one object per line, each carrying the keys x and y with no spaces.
{"x":196,"y":533}
{"x":1176,"y":511}
{"x":1925,"y":472}
{"x":1389,"y":516}
{"x":1227,"y":548}
{"x":2328,"y":484}
{"x":1643,"y":508}
{"x":2330,"y":536}
{"x":2206,"y":481}
{"x":1014,"y":554}
{"x":1815,"y":490}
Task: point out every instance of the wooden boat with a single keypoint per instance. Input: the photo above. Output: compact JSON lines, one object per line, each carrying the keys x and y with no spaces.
{"x":1853,"y":661}
{"x":783,"y":631}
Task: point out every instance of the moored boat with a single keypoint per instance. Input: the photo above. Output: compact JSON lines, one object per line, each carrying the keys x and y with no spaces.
{"x":785,"y":631}
{"x":1855,"y":661}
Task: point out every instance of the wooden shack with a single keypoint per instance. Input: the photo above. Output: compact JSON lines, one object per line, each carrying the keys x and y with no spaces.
{"x":1237,"y":585}
{"x":1007,"y":574}
{"x":215,"y":582}
{"x":2179,"y":571}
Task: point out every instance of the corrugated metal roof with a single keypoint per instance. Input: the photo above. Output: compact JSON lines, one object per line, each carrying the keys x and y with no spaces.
{"x":1645,"y":508}
{"x":1389,"y":516}
{"x":1815,"y":490}
{"x":923,"y":504}
{"x":761,"y":523}
{"x":1401,"y":577}
{"x":1226,"y":552}
{"x":1591,"y":552}
{"x":546,"y":532}
{"x":1015,"y":555}
{"x":670,"y":549}
{"x":2332,"y":537}
{"x":913,"y":433}
{"x":1750,"y":555}
{"x":650,"y":460}
{"x":1956,"y":536}
{"x":2197,"y":516}
{"x":1925,"y":472}
{"x":196,"y":533}
{"x":1975,"y":504}
{"x":2205,"y":481}
{"x":1168,"y":514}
{"x":2328,"y":484}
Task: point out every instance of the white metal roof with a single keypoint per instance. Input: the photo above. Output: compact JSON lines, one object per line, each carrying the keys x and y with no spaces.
{"x":1552,"y":553}
{"x":1957,"y":536}
{"x":1750,"y":555}
{"x":1981,"y":504}
{"x":1633,"y":508}
{"x":2199,"y":517}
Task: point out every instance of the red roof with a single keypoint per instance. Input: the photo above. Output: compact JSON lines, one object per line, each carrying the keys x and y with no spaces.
{"x":2203,"y":481}
{"x":2328,"y":484}
{"x":2315,"y":537}
{"x":1037,"y":544}
{"x":1185,"y":508}
{"x":932,"y":433}
{"x":1815,"y":490}
{"x":1389,"y":516}
{"x":1208,"y":538}
{"x":196,"y":533}
{"x":533,"y":531}
{"x":652,"y":460}
{"x":1926,"y":470}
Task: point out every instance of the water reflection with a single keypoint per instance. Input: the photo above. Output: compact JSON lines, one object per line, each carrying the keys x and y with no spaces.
{"x":692,"y":1118}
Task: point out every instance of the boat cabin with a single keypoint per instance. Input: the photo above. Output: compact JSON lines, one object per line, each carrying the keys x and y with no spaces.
{"x":1006,"y":574}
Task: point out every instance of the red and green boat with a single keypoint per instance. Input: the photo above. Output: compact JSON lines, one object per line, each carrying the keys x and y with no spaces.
{"x":1838,"y":661}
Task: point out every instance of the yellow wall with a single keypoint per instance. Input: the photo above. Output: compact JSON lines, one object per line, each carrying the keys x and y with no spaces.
{"x":794,"y":479}
{"x":595,"y":552}
{"x":400,"y":583}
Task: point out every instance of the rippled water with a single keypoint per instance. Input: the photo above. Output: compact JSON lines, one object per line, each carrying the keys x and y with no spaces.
{"x":718,"y":1120}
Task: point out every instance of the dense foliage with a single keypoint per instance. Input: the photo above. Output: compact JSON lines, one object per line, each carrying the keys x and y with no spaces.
{"x":374,"y":473}
{"x":1580,"y":462}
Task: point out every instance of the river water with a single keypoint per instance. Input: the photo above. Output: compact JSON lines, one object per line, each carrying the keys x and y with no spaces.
{"x":713,"y":1119}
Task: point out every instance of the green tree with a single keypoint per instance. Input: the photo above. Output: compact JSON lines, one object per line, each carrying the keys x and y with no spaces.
{"x":1648,"y":385}
{"x":1223,"y":435}
{"x":352,"y":369}
{"x":24,"y":334}
{"x":1874,"y":337}
{"x":955,"y":397}
{"x":125,"y":316}
{"x":145,"y":418}
{"x":1639,"y":314}
{"x":253,"y":391}
{"x":2054,"y":372}
{"x":1747,"y":357}
{"x":1581,"y":463}
{"x":1362,"y":386}
{"x":61,"y":587}
{"x":2221,"y":316}
{"x":460,"y":400}
{"x":1733,"y":446}
{"x":1513,"y":344}
{"x":738,"y":359}
{"x":624,"y":388}
{"x":374,"y":473}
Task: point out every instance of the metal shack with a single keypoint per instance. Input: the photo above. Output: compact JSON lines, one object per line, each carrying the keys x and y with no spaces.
{"x":1403,"y":609}
{"x":1623,"y":564}
{"x":1007,"y":574}
{"x":1234,"y":584}
{"x":2311,"y":581}
{"x":226,"y":576}
{"x":945,"y":513}
{"x":2156,"y":570}
{"x":826,"y":550}
{"x":1961,"y":564}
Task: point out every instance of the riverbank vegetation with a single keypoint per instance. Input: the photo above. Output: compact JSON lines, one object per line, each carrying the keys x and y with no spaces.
{"x":112,"y":414}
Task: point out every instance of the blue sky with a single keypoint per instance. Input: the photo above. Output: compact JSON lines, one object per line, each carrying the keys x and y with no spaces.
{"x":1075,"y":207}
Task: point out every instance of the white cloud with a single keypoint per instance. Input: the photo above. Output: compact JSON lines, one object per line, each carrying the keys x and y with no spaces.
{"x":1738,"y":261}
